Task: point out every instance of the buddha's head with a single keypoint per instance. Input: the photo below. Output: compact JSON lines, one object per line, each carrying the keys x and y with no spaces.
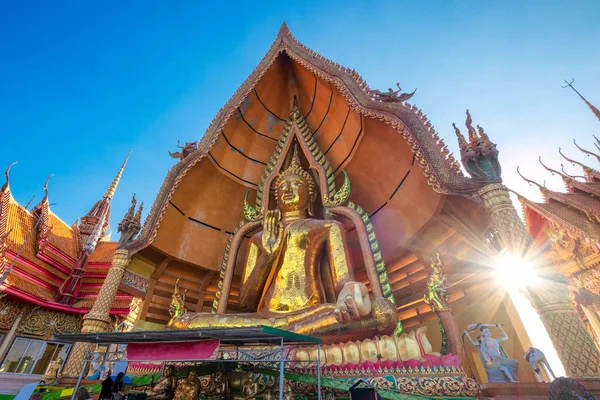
{"x":295,"y":189}
{"x":169,"y":370}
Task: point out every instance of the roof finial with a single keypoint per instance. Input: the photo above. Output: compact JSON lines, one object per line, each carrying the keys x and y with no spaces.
{"x":45,"y":199}
{"x":531,"y":182}
{"x":462,"y":142}
{"x":7,"y":183}
{"x":110,"y":192}
{"x":472,"y":132}
{"x":562,"y":168}
{"x":586,"y":151}
{"x":590,"y":105}
{"x":573,"y":162}
{"x":552,"y":171}
{"x":283,"y":30}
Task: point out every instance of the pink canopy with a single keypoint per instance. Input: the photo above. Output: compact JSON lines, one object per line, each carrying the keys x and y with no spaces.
{"x":173,"y":351}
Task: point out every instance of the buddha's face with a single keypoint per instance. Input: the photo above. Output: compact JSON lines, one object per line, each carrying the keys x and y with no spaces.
{"x":292,"y":194}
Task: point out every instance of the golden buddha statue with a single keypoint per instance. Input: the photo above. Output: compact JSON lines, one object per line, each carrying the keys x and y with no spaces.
{"x":298,"y":274}
{"x":52,"y":374}
{"x":217,"y":388}
{"x":249,"y":390}
{"x":165,"y":388}
{"x":189,"y":388}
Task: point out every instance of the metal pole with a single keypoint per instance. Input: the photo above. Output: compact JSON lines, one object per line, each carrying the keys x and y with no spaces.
{"x":281,"y":376}
{"x":319,"y":371}
{"x":85,"y":363}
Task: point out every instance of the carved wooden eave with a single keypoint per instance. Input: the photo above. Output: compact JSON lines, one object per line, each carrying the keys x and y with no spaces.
{"x":569,"y":219}
{"x":583,"y":202}
{"x":438,"y":166}
{"x":586,"y":187}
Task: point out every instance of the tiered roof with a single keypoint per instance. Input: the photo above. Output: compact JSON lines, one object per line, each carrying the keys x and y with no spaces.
{"x":40,"y":253}
{"x":570,"y":219}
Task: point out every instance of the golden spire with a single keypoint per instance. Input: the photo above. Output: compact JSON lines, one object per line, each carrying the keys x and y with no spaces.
{"x":110,"y":192}
{"x":590,"y":105}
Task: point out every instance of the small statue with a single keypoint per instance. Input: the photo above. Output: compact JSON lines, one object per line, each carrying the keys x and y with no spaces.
{"x":177,"y":306}
{"x":535,"y":357}
{"x":186,"y":150}
{"x":392,"y":96}
{"x":498,"y":366}
{"x":52,"y":374}
{"x":249,"y":390}
{"x":288,"y":394}
{"x":217,"y":389}
{"x":165,"y":388}
{"x":436,"y":296}
{"x":268,"y":395}
{"x":189,"y":388}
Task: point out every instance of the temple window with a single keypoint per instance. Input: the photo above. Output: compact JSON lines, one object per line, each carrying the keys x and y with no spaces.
{"x":32,"y":356}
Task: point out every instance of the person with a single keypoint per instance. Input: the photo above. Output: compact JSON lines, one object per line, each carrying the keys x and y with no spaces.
{"x":106,"y":391}
{"x":82,"y":394}
{"x":117,"y":387}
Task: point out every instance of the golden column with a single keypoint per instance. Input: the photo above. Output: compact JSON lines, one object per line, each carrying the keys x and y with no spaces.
{"x":551,"y":299}
{"x":98,"y":318}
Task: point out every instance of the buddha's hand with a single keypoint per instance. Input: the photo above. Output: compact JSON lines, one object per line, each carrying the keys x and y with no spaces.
{"x":272,"y":232}
{"x":353,"y":303}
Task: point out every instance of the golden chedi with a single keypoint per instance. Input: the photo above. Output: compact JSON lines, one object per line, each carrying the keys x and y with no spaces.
{"x":298,"y":274}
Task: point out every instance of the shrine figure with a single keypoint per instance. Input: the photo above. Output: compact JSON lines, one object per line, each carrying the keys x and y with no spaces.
{"x":52,"y":375}
{"x":217,"y":388}
{"x":165,"y":388}
{"x":186,"y":150}
{"x":392,"y":96}
{"x":288,"y":394}
{"x":298,"y":273}
{"x":249,"y":390}
{"x":498,"y":366}
{"x":189,"y":388}
{"x":536,"y":358}
{"x":268,"y":395}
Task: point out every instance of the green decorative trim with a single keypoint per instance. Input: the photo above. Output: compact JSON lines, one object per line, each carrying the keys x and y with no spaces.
{"x":386,"y":287}
{"x":224,"y":266}
{"x":444,"y":336}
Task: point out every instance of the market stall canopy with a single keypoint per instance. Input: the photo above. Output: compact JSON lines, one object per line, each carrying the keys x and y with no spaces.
{"x":238,"y":336}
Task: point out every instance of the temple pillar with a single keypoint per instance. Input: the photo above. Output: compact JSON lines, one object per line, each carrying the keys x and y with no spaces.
{"x":98,"y":318}
{"x":591,"y":312}
{"x":551,"y":299}
{"x":512,"y":232}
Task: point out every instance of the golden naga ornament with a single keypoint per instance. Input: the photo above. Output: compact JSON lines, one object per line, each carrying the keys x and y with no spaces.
{"x":436,"y":296}
{"x":298,"y":273}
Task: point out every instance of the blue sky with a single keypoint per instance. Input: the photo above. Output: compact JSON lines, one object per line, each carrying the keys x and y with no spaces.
{"x":81,"y":83}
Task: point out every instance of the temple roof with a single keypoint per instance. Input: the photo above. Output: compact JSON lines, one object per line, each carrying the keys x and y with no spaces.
{"x":43,"y":250}
{"x":577,"y":211}
{"x":339,"y":107}
{"x":401,"y":175}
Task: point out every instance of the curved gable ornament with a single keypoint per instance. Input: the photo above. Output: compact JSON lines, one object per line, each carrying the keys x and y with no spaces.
{"x":439,"y":166}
